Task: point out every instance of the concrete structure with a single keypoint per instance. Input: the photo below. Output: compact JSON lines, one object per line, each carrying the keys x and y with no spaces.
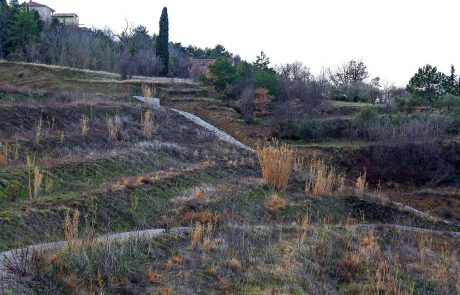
{"x":70,"y":19}
{"x":45,"y":12}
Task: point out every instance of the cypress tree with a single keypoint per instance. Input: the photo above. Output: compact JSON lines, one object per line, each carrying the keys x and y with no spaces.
{"x":162,"y":41}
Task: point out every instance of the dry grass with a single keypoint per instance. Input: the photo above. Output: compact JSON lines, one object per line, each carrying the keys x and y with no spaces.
{"x":38,"y":178}
{"x":276,"y":162}
{"x":197,"y":235}
{"x":71,"y":228}
{"x":275,"y":203}
{"x":361,"y":184}
{"x":114,"y":127}
{"x":3,"y":159}
{"x":321,"y":178}
{"x":146,"y":91}
{"x":174,"y":262}
{"x":148,"y":126}
{"x":84,"y":125}
{"x":192,"y":217}
{"x":39,"y":130}
{"x":234,"y":264}
{"x":30,"y":164}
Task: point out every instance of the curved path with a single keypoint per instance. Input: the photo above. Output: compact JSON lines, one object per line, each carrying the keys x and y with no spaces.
{"x":155,"y":102}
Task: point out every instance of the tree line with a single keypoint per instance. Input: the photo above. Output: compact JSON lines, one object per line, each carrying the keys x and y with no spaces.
{"x":135,"y":51}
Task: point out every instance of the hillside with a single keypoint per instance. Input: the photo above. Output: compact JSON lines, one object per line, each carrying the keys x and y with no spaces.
{"x":88,"y":143}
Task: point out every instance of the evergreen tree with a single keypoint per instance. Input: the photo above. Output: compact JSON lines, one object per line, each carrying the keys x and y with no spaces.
{"x":452,"y":81}
{"x":262,"y":61}
{"x":428,"y":84}
{"x":162,"y":42}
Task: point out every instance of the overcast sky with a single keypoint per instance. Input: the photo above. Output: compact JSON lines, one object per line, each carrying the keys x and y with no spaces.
{"x":393,"y":37}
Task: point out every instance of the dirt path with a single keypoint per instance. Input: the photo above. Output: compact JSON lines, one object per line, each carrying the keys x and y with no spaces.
{"x":15,"y":254}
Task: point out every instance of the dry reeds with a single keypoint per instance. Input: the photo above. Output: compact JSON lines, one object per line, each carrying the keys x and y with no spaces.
{"x":146,"y":91}
{"x":114,"y":127}
{"x":321,"y":178}
{"x":38,"y":133}
{"x":71,"y":228}
{"x":276,"y":162}
{"x":197,"y":234}
{"x":361,"y":184}
{"x":38,"y":177}
{"x":84,"y":125}
{"x":148,"y":126}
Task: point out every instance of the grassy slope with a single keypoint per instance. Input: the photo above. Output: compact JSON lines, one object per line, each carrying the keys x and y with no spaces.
{"x":185,"y":177}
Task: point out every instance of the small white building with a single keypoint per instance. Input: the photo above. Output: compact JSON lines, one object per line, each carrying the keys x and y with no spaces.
{"x":70,"y":19}
{"x":45,"y":12}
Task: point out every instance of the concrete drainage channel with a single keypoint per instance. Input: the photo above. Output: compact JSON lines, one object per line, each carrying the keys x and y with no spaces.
{"x":155,"y":102}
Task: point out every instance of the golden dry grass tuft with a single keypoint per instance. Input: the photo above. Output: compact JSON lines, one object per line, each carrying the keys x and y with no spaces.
{"x":39,"y":130}
{"x":275,"y":203}
{"x":276,"y":162}
{"x":234,"y":264}
{"x":71,"y":228}
{"x":114,"y":127}
{"x":146,"y":91}
{"x":174,"y":262}
{"x":151,"y":277}
{"x":3,"y":160}
{"x":38,"y":178}
{"x":197,"y":234}
{"x":84,"y":125}
{"x":361,"y":184}
{"x":192,"y":217}
{"x":148,"y":127}
{"x":321,"y":178}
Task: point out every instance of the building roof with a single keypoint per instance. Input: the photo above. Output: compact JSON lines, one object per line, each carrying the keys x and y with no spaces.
{"x":36,"y":4}
{"x":65,"y":14}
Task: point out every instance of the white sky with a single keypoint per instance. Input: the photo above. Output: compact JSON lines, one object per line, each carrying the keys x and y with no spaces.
{"x":393,"y":37}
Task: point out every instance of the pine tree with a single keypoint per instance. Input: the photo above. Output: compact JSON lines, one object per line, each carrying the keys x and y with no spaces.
{"x":452,"y":81}
{"x":162,"y":42}
{"x":428,"y":84}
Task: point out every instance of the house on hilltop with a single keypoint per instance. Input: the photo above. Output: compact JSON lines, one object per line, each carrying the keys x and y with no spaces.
{"x":45,"y":12}
{"x":67,"y":18}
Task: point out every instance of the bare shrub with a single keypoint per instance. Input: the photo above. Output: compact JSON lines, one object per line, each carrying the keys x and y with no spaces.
{"x":410,"y":130}
{"x":24,"y":262}
{"x":246,"y":103}
{"x":276,"y":162}
{"x":262,"y":102}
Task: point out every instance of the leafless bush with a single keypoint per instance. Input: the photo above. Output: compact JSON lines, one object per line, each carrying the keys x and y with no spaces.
{"x":24,"y":262}
{"x":246,"y":103}
{"x":420,"y":128}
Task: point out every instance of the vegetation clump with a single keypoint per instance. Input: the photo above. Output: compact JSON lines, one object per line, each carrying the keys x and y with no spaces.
{"x":276,"y":162}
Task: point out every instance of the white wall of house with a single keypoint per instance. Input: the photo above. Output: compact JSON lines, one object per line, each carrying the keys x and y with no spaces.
{"x":68,"y":20}
{"x":44,"y":12}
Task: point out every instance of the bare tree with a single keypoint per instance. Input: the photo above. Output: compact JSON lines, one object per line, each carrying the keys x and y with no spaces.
{"x":353,"y":72}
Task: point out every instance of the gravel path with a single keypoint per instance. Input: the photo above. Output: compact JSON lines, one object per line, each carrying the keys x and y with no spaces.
{"x":155,"y":102}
